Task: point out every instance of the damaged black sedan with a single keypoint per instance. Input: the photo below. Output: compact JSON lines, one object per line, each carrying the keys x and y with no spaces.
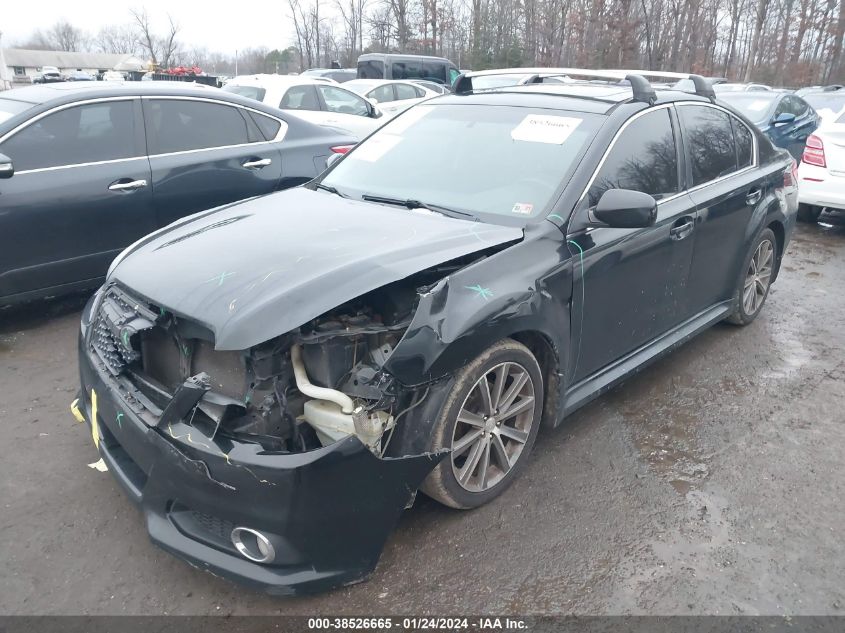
{"x":274,"y":380}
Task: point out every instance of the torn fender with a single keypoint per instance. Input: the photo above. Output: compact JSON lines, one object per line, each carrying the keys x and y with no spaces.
{"x":525,"y":288}
{"x":309,"y":251}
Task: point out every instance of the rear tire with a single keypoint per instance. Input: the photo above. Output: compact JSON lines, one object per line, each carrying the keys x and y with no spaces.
{"x":809,"y":213}
{"x":499,"y":400}
{"x":755,"y":278}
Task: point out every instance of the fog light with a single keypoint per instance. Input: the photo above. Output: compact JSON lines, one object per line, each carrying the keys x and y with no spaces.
{"x":253,"y":545}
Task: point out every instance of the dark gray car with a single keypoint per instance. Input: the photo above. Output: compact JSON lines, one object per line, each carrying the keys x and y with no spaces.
{"x":90,"y":168}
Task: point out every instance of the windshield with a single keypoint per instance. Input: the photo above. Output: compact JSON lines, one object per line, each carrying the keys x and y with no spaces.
{"x":491,"y":162}
{"x":754,"y":105}
{"x":486,"y":82}
{"x":360,"y":85}
{"x":250,"y":92}
{"x":827,"y":104}
{"x":10,"y":107}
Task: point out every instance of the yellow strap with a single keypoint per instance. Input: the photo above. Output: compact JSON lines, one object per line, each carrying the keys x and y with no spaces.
{"x":95,"y":427}
{"x":74,"y":409}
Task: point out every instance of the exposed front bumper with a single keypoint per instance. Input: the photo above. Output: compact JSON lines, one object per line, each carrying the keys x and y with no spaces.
{"x":327,"y":511}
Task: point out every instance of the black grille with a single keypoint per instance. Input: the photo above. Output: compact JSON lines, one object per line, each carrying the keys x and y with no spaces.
{"x":206,"y":528}
{"x":219,"y":528}
{"x":119,"y":318}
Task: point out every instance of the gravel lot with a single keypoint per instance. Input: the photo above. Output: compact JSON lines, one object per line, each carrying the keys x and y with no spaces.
{"x":710,"y":483}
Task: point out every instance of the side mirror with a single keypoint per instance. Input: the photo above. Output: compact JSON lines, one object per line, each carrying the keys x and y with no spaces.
{"x":626,"y":209}
{"x":7,"y":169}
{"x":784,"y":118}
{"x":375,"y":113}
{"x":331,"y":160}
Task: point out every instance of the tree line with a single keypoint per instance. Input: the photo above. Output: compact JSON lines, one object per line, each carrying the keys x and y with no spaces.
{"x":781,"y":42}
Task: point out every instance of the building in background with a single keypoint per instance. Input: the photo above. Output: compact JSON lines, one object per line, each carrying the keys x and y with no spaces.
{"x":20,"y":66}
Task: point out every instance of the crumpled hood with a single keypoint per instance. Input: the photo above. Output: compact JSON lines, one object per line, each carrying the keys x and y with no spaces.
{"x":254,"y":270}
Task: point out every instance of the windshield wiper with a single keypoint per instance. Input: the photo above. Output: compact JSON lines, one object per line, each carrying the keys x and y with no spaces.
{"x":330,"y":189}
{"x":411,"y":203}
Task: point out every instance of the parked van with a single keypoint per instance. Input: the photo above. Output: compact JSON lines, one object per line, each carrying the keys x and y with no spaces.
{"x":390,"y":66}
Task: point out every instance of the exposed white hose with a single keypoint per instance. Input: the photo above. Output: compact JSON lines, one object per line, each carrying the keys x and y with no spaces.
{"x":309,"y":389}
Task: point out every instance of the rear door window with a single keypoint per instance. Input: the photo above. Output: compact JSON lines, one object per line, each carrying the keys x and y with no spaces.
{"x":88,"y":133}
{"x":177,"y":125}
{"x":269,"y":127}
{"x":644,"y":158}
{"x":709,"y":138}
{"x":300,"y":98}
{"x":406,"y":91}
{"x":383,"y":93}
{"x":343,"y":101}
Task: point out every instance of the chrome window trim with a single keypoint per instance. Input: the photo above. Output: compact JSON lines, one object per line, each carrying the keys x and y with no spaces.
{"x":754,"y":150}
{"x":99,"y":162}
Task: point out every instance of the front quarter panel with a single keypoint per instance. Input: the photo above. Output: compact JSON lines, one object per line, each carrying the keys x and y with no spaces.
{"x":526,"y":287}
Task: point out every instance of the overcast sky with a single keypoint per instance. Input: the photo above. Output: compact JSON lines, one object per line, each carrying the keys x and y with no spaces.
{"x":223,"y":25}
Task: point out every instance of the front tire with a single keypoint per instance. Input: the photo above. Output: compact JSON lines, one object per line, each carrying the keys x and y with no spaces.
{"x":755,"y":279}
{"x":489,"y":421}
{"x":809,"y":213}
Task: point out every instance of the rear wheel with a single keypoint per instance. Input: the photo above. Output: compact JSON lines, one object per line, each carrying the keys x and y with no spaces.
{"x":489,"y":421}
{"x":755,"y":279}
{"x":809,"y":213}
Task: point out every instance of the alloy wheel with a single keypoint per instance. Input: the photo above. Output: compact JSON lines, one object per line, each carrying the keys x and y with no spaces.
{"x":758,"y":277}
{"x":493,"y":426}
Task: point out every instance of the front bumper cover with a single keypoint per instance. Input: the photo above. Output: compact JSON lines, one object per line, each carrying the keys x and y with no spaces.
{"x":327,"y":512}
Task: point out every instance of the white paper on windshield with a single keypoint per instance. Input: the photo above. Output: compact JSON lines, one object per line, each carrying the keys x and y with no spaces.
{"x":406,"y":119}
{"x":375,"y":147}
{"x":541,"y":128}
{"x":758,"y":106}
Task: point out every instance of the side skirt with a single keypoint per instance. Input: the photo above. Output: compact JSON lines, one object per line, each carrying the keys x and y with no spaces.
{"x":608,"y":377}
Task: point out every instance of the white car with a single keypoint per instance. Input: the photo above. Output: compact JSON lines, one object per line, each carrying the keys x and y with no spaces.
{"x":113,"y":75}
{"x":392,"y":96}
{"x":319,"y":101}
{"x":821,"y":174}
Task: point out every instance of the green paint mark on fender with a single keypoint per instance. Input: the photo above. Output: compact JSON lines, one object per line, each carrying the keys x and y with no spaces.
{"x":484,"y":293}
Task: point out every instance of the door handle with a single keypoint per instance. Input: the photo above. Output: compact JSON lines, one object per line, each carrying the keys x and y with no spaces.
{"x":127,"y":186}
{"x":682,"y":227}
{"x":257,"y":164}
{"x":754,"y":196}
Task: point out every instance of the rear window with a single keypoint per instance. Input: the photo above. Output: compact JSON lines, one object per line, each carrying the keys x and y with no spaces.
{"x":827,"y":105}
{"x":10,"y":107}
{"x":250,"y":92}
{"x":756,"y":106}
{"x":500,"y":162}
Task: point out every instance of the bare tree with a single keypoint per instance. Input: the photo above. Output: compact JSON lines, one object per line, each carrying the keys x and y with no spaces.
{"x":117,"y":39}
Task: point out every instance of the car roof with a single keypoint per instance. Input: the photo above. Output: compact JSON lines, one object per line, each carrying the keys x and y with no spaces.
{"x":585,"y":96}
{"x":281,"y":80}
{"x":752,"y":95}
{"x":69,"y":91}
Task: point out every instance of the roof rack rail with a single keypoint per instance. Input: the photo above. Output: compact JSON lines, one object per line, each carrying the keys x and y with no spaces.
{"x":642,"y":89}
